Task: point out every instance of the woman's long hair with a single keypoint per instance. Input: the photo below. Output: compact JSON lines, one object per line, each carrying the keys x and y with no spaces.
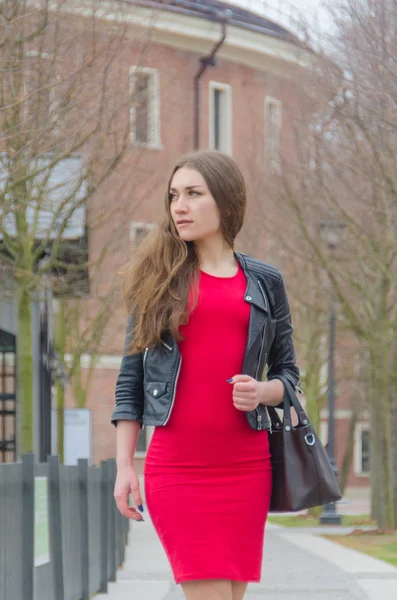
{"x":158,"y":279}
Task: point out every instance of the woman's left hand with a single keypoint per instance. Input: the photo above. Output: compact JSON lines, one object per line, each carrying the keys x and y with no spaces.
{"x":246,"y":392}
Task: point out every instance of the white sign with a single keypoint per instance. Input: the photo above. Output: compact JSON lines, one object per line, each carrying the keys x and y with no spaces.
{"x":77,"y":435}
{"x":41,"y":522}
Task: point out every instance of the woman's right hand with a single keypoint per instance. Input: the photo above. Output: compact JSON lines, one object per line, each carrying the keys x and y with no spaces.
{"x":127,"y":483}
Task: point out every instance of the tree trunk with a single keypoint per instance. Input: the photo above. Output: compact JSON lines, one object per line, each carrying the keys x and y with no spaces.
{"x":381,"y":430}
{"x":349,"y":451}
{"x":375,"y":466}
{"x":24,"y":363}
{"x":79,"y":391}
{"x":393,"y":448}
{"x":393,"y":423}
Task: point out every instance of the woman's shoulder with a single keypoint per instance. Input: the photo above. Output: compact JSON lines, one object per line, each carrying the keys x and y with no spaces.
{"x":261,"y":268}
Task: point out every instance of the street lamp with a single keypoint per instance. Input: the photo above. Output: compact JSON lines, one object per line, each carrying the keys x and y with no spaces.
{"x":45,"y":355}
{"x":330,"y":231}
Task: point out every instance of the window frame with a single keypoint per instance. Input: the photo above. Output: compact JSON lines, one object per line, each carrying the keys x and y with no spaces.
{"x":51,"y":90}
{"x":358,"y":434}
{"x":154,"y":142}
{"x":273,"y":163}
{"x":227,"y":89}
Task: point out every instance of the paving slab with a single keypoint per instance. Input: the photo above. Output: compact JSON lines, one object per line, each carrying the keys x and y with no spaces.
{"x":298,"y":565}
{"x":295,"y":567}
{"x":350,"y":561}
{"x":383,"y":589}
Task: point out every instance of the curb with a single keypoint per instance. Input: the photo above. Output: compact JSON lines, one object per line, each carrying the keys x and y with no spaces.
{"x":348,"y":560}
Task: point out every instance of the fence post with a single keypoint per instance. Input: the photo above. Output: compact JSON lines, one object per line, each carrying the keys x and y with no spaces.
{"x":56,"y":527}
{"x":104,"y":527}
{"x":28,"y":519}
{"x":83,"y":501}
{"x":111,"y":517}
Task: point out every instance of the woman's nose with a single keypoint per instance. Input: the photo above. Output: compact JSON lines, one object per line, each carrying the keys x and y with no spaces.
{"x":180,"y":204}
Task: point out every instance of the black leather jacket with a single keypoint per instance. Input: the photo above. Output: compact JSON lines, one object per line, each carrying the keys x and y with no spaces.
{"x":146,"y":384}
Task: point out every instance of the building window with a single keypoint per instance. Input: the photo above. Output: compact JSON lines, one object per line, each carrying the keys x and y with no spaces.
{"x":220,"y":117}
{"x":273,"y":134}
{"x":139,"y":232}
{"x":145,"y":107}
{"x":40,"y":100}
{"x":362,"y":449}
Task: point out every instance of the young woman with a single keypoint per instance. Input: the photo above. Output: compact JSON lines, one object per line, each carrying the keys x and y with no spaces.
{"x":204,"y":321}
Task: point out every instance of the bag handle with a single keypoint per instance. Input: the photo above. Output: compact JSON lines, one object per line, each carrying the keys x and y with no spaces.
{"x":290,"y":399}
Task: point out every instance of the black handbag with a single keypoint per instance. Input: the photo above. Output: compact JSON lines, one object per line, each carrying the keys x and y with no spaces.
{"x":302,"y":473}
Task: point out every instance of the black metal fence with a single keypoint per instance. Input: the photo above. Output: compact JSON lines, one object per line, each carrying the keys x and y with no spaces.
{"x":61,"y":535}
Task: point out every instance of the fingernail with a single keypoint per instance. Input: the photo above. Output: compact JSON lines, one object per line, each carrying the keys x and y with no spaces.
{"x":139,"y":520}
{"x":140,"y":507}
{"x":229,"y":380}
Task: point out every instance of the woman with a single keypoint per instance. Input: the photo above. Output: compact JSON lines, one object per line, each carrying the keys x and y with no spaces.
{"x":204,"y":322}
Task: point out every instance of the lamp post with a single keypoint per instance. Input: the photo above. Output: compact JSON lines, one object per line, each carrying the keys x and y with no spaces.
{"x":45,"y":380}
{"x":330,"y":231}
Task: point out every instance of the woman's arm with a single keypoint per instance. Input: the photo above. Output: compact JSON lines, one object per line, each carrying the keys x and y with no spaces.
{"x":129,"y":386}
{"x":127,"y":416}
{"x":127,"y":437}
{"x":127,"y":481}
{"x":282,"y":358}
{"x":270,"y":393}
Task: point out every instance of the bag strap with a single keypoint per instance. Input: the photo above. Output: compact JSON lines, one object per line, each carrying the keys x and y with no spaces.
{"x":290,"y":399}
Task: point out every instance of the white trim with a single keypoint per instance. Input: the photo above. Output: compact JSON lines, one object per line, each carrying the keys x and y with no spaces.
{"x":228,"y":133}
{"x":360,"y":427}
{"x":105,"y":361}
{"x":192,"y":33}
{"x":153,"y":108}
{"x":135,"y":225}
{"x":340,"y":413}
{"x":273,"y":146}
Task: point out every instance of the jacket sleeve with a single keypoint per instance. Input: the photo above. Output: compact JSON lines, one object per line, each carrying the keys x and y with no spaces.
{"x":282,"y":358}
{"x":129,"y":385}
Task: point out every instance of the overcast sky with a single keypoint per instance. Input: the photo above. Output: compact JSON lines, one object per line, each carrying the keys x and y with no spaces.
{"x":310,"y":8}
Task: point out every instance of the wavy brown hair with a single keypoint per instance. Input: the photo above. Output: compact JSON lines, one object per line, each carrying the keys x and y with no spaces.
{"x":158,"y":278}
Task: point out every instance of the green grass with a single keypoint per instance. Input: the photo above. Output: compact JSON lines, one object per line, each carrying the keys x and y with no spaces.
{"x":378,"y":545}
{"x":308,"y":521}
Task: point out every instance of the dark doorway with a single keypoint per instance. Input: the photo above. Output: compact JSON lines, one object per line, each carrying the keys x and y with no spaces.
{"x":8,"y":447}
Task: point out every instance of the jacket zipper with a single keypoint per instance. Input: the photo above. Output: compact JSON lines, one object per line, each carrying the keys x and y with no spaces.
{"x":258,"y":415}
{"x":174,"y":392}
{"x":144,"y":357}
{"x":166,"y":345}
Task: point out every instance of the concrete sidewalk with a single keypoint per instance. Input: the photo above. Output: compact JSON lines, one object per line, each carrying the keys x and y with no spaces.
{"x":297,"y":566}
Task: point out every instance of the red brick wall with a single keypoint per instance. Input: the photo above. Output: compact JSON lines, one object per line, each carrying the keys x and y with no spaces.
{"x":136,"y":191}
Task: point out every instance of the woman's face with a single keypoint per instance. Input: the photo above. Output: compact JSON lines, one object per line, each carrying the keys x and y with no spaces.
{"x":193,"y":208}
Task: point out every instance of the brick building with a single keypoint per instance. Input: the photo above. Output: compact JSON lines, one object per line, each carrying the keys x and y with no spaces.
{"x":246,"y":105}
{"x":246,"y":109}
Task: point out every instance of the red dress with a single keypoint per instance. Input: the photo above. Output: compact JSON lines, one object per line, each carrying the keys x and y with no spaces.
{"x":207,"y":473}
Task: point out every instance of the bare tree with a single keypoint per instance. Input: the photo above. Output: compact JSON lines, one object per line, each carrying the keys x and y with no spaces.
{"x":351,"y":177}
{"x":65,"y":130}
